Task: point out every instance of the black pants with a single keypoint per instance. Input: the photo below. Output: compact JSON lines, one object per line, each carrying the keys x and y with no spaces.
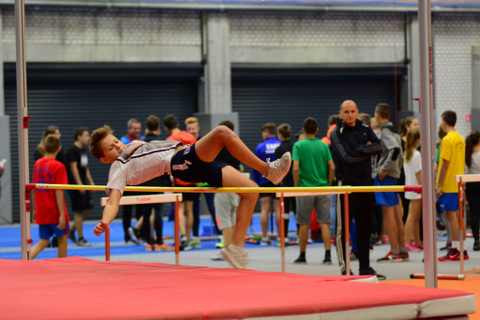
{"x":158,"y":222}
{"x":360,"y":208}
{"x":196,"y":212}
{"x":127,"y":215}
{"x":473,"y":197}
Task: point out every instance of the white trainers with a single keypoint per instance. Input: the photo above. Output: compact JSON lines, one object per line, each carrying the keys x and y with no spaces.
{"x":279,"y":168}
{"x":236,"y":256}
{"x":217,"y":257}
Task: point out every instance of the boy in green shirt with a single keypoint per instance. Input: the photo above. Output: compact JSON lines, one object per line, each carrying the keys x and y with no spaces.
{"x":312,"y":167}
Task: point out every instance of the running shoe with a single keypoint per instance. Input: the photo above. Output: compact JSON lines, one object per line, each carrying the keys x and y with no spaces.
{"x":413,"y":248}
{"x":370,"y":271}
{"x":236,"y":256}
{"x":220,"y":243}
{"x":454,"y":255}
{"x":149,"y":247}
{"x":279,"y":168}
{"x":476,"y":246}
{"x":72,"y":237}
{"x":300,"y":259}
{"x":405,"y":256}
{"x":83,"y":243}
{"x":266,"y":242}
{"x":327,"y":261}
{"x":163,"y":247}
{"x":184,"y":246}
{"x":195,"y":243}
{"x":390,"y":257}
{"x":133,"y":235}
{"x":217,"y":257}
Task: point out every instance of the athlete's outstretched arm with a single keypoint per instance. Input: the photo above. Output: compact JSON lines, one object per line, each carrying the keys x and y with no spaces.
{"x":109,"y":212}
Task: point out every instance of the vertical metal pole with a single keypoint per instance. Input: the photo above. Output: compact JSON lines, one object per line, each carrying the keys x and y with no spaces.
{"x":427,"y":140}
{"x":177,"y":237}
{"x":22,"y":124}
{"x":107,"y":244}
{"x":282,"y":229}
{"x":461,"y":188}
{"x":346,"y":215}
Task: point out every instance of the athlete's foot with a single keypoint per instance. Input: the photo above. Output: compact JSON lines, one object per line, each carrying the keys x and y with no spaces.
{"x":279,"y":168}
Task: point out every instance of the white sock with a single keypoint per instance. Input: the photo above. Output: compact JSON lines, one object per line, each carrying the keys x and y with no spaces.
{"x":235,"y":248}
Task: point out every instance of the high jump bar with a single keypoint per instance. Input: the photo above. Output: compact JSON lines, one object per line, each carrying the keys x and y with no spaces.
{"x":335,"y":189}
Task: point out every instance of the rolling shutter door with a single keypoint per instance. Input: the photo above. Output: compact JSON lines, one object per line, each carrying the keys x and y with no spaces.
{"x":71,"y":104}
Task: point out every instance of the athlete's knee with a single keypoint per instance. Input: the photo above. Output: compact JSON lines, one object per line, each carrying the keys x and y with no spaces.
{"x":224,"y":132}
{"x":250,"y":197}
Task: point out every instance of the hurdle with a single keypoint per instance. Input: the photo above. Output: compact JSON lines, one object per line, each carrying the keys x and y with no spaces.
{"x":462,"y":180}
{"x":283,"y":195}
{"x":146,"y":199}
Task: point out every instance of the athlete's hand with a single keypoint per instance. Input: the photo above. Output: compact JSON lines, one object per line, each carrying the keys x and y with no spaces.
{"x":100,"y":228}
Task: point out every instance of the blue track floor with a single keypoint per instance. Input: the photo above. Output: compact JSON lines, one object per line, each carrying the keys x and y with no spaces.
{"x":10,"y":247}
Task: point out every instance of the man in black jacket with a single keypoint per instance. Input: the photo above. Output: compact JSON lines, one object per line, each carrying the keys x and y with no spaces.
{"x":353,"y":144}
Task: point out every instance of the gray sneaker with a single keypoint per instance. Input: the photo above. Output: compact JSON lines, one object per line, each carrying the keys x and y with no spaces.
{"x":83,"y":243}
{"x":236,"y":256}
{"x":279,"y":168}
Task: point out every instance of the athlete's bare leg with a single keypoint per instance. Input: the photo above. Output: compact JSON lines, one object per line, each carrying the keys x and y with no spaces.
{"x":210,"y":145}
{"x":231,"y":177}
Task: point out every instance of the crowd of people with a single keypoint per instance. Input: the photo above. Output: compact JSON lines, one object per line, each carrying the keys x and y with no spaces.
{"x":357,"y":150}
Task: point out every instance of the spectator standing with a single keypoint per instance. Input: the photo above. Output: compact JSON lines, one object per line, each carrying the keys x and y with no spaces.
{"x":406,"y":124}
{"x":452,"y":163}
{"x":61,"y":156}
{"x":2,"y":169}
{"x":134,"y":133}
{"x":40,"y":152}
{"x":152,"y":212}
{"x":284,"y":133}
{"x":266,"y":152}
{"x":51,"y":213}
{"x":185,"y":209}
{"x":413,"y":176}
{"x":353,"y":144}
{"x":313,"y":167}
{"x":78,"y":173}
{"x":226,"y":204}
{"x":332,"y":123}
{"x":193,"y":127}
{"x":472,"y":160}
{"x":387,"y":172}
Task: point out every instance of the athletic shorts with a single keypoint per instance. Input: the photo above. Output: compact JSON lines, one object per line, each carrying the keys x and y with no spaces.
{"x":305,"y":205}
{"x":80,"y":202}
{"x":186,"y":166}
{"x":268,"y":185}
{"x":226,"y":209}
{"x":448,"y":201}
{"x":388,"y":199}
{"x":46,"y":231}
